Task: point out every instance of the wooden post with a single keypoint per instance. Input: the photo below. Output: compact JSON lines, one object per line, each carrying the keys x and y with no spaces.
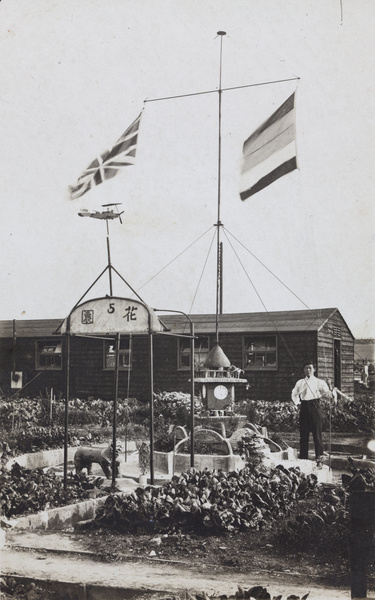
{"x":67,"y":397}
{"x":361,"y":538}
{"x":151,"y":375}
{"x":50,"y":409}
{"x":115,"y":394}
{"x":192,"y":394}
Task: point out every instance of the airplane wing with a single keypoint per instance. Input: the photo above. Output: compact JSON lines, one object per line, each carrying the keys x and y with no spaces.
{"x":89,"y":213}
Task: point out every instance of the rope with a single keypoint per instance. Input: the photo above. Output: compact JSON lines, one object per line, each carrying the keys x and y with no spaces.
{"x":200,"y":278}
{"x":176,"y":257}
{"x":261,"y":300}
{"x":272,"y":273}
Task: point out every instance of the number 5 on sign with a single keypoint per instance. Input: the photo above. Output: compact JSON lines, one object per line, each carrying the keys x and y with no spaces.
{"x":120,"y":315}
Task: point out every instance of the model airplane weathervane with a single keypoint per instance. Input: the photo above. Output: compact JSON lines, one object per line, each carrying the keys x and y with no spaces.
{"x":109,"y":213}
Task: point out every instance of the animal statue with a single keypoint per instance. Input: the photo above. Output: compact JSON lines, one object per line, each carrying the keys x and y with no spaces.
{"x":84,"y":457}
{"x":236,"y":370}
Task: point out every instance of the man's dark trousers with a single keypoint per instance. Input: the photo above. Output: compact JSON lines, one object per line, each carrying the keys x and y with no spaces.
{"x":310,"y":421}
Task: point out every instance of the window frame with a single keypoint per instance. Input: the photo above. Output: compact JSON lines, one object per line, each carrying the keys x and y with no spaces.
{"x":48,"y":343}
{"x":123,"y":352}
{"x":261,"y":351}
{"x":186,"y":350}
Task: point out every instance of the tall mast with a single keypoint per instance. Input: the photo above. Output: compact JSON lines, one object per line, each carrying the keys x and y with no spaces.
{"x":109,"y":261}
{"x":219,"y":254}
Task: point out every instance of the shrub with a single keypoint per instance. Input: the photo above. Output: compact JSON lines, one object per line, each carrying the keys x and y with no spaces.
{"x":35,"y":438}
{"x":175,"y":407}
{"x":354,"y":417}
{"x":276,"y":416}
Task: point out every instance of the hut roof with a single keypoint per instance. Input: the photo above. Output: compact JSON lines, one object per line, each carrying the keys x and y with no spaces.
{"x":262,"y":322}
{"x":290,"y":320}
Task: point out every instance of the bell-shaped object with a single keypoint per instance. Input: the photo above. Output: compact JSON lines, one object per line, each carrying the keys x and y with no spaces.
{"x":216,"y":359}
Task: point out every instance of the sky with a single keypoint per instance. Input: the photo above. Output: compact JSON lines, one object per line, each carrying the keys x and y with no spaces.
{"x":74,"y":75}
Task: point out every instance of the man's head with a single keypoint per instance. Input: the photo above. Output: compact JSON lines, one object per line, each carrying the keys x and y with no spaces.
{"x":309,"y":368}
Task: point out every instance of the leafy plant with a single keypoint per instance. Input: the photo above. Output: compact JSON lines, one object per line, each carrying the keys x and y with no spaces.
{"x":252,"y":448}
{"x":144,"y":457}
{"x":322,"y":529}
{"x":353,"y":417}
{"x":213,"y":500}
{"x":175,"y":407}
{"x":35,"y":438}
{"x":24,"y":491}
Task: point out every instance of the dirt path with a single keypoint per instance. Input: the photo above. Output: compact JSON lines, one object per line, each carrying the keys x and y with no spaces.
{"x":158,"y":576}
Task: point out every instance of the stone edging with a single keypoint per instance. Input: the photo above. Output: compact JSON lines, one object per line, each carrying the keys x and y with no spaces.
{"x":59,"y":517}
{"x":41,"y":459}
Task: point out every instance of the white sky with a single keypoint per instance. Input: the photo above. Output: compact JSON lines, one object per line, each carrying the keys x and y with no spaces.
{"x":74,"y":75}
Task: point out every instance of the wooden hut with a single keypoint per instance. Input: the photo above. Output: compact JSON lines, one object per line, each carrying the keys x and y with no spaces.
{"x":270,"y":347}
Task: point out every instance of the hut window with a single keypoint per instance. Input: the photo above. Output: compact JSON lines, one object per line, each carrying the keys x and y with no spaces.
{"x":201,"y":349}
{"x":48,"y":355}
{"x":260,"y":353}
{"x":125,"y":358}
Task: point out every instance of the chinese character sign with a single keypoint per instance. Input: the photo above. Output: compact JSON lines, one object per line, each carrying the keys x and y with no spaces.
{"x":112,"y":315}
{"x":87,"y":317}
{"x":130,"y":314}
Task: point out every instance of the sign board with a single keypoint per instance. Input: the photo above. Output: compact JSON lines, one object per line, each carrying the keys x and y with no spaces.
{"x":16,"y":380}
{"x":112,"y":315}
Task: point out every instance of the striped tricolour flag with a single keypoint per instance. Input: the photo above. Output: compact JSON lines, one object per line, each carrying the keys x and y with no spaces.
{"x":108,"y":164}
{"x":270,"y":152}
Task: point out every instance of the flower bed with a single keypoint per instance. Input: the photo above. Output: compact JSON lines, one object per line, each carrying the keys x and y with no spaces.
{"x":25,"y":491}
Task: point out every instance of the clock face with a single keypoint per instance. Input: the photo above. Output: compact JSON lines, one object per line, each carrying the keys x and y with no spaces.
{"x":220,"y":392}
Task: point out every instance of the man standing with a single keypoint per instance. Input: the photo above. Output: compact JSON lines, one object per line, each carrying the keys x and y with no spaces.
{"x":364,"y":375}
{"x":306,"y":394}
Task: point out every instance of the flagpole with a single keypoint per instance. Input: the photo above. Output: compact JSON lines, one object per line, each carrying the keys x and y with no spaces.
{"x":109,"y":261}
{"x":219,"y":253}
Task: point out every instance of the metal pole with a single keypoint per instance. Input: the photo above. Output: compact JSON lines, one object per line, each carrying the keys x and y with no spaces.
{"x":14,"y":348}
{"x":330,"y":433}
{"x":219,"y":223}
{"x":192,"y":393}
{"x":221,"y":279}
{"x":67,"y":397}
{"x":114,"y":437}
{"x":126,"y":432}
{"x":151,"y":360}
{"x":50,"y":409}
{"x":109,"y":261}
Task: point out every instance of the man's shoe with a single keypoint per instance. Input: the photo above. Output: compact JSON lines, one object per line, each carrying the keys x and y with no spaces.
{"x":319,"y":462}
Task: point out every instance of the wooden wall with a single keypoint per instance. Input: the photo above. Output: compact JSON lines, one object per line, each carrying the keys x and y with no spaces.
{"x":88,"y":378}
{"x":336,"y":328}
{"x":293,"y":349}
{"x":38,"y":381}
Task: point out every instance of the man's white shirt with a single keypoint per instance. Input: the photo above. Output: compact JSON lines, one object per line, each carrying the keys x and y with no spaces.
{"x":309,"y":388}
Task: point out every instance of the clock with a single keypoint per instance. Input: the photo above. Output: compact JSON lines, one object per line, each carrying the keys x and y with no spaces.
{"x":204,"y":391}
{"x":220,"y":392}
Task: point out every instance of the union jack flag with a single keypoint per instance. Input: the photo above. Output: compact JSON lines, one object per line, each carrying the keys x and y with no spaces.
{"x":108,"y":164}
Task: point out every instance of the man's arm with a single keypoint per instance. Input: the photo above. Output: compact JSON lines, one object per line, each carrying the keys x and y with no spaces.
{"x":325,"y":390}
{"x":296,"y":394}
